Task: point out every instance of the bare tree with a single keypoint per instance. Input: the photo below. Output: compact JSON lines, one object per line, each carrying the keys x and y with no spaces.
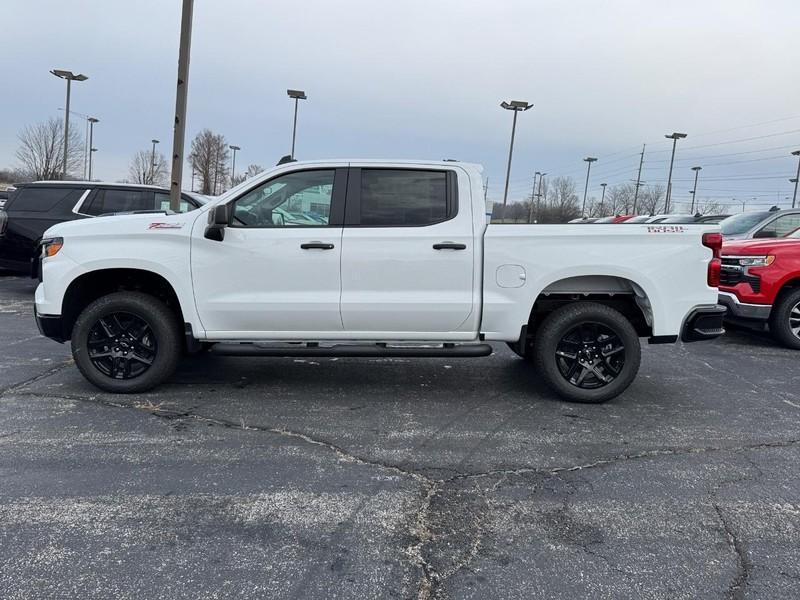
{"x":41,"y":150}
{"x":142,"y":169}
{"x":209,"y":159}
{"x":562,"y":204}
{"x":712,"y":207}
{"x":651,"y":200}
{"x":251,"y":171}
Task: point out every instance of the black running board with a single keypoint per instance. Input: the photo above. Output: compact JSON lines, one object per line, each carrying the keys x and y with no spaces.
{"x":355,"y":350}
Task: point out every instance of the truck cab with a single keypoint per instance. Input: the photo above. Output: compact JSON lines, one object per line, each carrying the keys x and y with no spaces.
{"x":372,"y":258}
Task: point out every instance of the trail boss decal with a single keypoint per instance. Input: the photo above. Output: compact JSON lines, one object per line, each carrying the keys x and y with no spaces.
{"x":165,"y":225}
{"x":666,"y":229}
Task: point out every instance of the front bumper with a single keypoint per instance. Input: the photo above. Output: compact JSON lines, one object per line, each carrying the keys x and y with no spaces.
{"x":743,"y":310}
{"x":703,"y":323}
{"x":50,"y":326}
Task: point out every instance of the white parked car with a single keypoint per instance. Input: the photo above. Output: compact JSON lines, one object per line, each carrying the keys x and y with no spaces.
{"x":372,"y":258}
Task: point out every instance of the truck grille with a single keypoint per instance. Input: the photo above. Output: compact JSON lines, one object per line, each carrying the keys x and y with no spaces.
{"x":733,"y":274}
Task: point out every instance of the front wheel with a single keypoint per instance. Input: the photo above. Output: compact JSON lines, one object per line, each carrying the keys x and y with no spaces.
{"x":784,"y":322}
{"x":587,"y":352}
{"x":126,"y":342}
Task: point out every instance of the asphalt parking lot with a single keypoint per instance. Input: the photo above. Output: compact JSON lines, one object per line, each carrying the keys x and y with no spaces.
{"x":359,"y":478}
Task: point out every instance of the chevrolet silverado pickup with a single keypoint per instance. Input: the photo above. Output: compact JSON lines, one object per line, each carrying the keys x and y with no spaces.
{"x":372,"y":259}
{"x":760,"y":285}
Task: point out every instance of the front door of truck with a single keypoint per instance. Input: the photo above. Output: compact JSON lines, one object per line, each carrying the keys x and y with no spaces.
{"x":276,"y":272}
{"x":407,"y":253}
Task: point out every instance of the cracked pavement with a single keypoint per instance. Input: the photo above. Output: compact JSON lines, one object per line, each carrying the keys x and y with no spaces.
{"x":429,"y":478}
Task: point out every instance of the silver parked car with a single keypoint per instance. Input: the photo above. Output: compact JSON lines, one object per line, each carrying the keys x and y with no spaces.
{"x":771,"y":223}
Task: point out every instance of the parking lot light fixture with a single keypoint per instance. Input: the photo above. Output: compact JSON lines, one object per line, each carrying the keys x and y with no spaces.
{"x":675,"y":136}
{"x":694,"y":189}
{"x":233,"y":162}
{"x":297,"y":95}
{"x":92,"y":121}
{"x":796,"y":177}
{"x":153,"y":161}
{"x":70,"y":77}
{"x":589,"y":160}
{"x":516,"y":106}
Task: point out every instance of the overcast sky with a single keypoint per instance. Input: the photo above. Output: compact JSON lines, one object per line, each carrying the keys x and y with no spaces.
{"x":423,"y":79}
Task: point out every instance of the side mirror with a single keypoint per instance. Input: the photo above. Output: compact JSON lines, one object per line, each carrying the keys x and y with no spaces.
{"x":218,"y":219}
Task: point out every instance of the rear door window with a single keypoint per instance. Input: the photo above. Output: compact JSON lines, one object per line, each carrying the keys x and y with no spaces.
{"x":780,"y":227}
{"x":120,"y":200}
{"x":403,"y":198}
{"x":37,"y":199}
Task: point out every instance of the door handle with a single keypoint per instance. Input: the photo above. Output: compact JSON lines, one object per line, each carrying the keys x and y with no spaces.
{"x":449,"y":246}
{"x":316,"y":246}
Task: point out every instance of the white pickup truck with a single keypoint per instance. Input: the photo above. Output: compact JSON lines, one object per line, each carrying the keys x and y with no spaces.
{"x":372,"y":259}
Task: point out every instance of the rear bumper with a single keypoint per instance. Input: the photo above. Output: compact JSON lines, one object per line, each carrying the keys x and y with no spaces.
{"x":50,"y":326}
{"x":703,"y":323}
{"x":743,"y":310}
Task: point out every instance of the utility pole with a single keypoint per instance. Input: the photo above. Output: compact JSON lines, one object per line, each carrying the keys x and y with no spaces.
{"x":589,"y":160}
{"x":694,"y":191}
{"x":638,"y":180}
{"x":181,"y":95}
{"x":533,"y":194}
{"x":153,"y":162}
{"x":486,"y":190}
{"x":796,"y":177}
{"x":674,"y":137}
{"x":516,"y":106}
{"x":539,"y":195}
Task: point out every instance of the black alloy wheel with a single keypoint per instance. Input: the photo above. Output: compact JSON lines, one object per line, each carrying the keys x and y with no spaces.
{"x":590,"y":356}
{"x":122,"y":345}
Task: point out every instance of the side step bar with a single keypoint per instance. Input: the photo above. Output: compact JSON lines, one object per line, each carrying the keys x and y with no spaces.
{"x":355,"y":350}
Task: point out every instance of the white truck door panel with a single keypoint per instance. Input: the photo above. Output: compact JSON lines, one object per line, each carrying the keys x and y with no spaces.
{"x":408,"y":266}
{"x":278,"y":268}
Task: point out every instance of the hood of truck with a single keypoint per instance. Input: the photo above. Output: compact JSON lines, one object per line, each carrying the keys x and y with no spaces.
{"x":122,"y":224}
{"x":759,"y":247}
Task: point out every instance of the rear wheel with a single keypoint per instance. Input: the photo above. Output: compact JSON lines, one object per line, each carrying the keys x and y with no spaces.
{"x":587,"y":352}
{"x":784,"y":322}
{"x":126,"y":342}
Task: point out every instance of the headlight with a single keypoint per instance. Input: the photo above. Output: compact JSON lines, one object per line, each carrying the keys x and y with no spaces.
{"x":51,"y":246}
{"x":752,"y":261}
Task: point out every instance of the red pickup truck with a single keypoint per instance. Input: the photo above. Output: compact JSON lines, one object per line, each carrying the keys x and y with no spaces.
{"x":760,"y":285}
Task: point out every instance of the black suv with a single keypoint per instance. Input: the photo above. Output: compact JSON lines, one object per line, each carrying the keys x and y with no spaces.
{"x":32,"y":208}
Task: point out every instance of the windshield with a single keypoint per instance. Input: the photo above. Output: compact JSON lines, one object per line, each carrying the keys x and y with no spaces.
{"x":742,"y":222}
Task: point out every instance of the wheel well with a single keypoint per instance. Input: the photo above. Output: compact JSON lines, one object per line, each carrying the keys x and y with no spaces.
{"x":618,"y":293}
{"x":790,"y":285}
{"x":89,"y":287}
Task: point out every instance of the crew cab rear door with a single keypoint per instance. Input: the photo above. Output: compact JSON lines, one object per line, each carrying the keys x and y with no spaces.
{"x":275,"y":275}
{"x":407,"y":252}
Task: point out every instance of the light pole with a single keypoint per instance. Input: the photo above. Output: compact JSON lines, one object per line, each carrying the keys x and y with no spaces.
{"x":638,"y":180}
{"x":297,"y":95}
{"x":153,"y":161}
{"x":674,"y":137}
{"x":70,"y":77}
{"x":533,"y":195}
{"x":233,"y":162}
{"x":92,"y":121}
{"x":694,"y":190}
{"x":90,"y":161}
{"x":516,"y":106}
{"x":796,"y":177}
{"x":589,"y":160}
{"x":603,"y":198}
